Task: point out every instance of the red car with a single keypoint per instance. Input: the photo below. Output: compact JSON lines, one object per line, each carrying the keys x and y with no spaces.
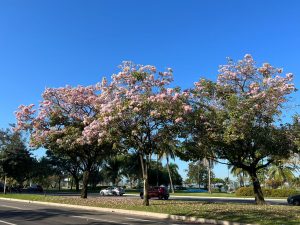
{"x":159,"y":192}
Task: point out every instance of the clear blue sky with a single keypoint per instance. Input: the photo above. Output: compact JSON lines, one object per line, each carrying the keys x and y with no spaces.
{"x":54,"y":43}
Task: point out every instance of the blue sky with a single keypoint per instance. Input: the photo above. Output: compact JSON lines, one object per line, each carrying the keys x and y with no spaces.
{"x":54,"y":43}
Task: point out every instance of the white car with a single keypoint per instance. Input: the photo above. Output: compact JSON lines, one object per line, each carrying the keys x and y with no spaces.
{"x":112,"y":191}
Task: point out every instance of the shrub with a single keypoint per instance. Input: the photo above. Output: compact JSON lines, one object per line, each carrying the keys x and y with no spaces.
{"x":248,"y":191}
{"x":244,"y":191}
{"x":282,"y":192}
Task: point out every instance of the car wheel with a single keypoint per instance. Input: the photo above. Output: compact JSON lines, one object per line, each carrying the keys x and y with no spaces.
{"x":296,"y":202}
{"x":142,"y":196}
{"x":102,"y":193}
{"x":166,"y":197}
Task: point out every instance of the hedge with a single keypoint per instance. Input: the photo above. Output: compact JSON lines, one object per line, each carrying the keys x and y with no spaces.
{"x":248,"y":191}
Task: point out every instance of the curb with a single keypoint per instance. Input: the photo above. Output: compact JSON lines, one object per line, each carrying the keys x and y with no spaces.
{"x":131,"y":212}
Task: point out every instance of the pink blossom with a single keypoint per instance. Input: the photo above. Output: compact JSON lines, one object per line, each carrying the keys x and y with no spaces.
{"x":178,"y":120}
{"x":187,"y":108}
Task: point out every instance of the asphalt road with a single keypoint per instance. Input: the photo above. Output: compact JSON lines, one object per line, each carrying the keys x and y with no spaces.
{"x":20,"y":213}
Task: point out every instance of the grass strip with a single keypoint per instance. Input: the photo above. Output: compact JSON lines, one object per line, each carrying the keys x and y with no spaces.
{"x":177,"y":193}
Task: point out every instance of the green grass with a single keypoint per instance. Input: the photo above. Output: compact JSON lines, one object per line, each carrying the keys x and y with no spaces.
{"x":217,"y":194}
{"x":177,"y":193}
{"x":205,"y":194}
{"x":244,"y":213}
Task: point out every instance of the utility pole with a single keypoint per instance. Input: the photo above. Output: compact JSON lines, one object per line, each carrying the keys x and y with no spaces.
{"x":4,"y":188}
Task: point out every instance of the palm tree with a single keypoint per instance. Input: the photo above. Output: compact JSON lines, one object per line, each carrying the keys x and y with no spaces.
{"x":240,"y":173}
{"x":132,"y":168}
{"x":168,"y":153}
{"x":209,"y":164}
{"x":113,"y":169}
{"x":167,"y":148}
{"x":281,"y":172}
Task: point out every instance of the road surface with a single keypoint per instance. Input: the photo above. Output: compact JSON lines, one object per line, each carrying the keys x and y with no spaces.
{"x":21,"y":213}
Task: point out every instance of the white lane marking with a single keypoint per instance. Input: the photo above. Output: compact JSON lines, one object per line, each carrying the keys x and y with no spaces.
{"x":138,"y":219}
{"x":13,"y":207}
{"x":91,"y":218}
{"x":1,"y":221}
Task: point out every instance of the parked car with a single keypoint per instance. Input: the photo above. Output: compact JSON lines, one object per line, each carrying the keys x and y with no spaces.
{"x":294,"y":200}
{"x":35,"y":188}
{"x":112,"y":191}
{"x":12,"y":189}
{"x":159,"y":192}
{"x":16,"y":189}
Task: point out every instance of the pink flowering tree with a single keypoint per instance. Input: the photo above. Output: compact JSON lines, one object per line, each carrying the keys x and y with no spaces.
{"x":145,"y":110}
{"x":237,"y":118}
{"x":58,"y":125}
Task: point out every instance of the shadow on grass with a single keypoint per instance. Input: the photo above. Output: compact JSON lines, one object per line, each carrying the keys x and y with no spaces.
{"x":267,"y":216}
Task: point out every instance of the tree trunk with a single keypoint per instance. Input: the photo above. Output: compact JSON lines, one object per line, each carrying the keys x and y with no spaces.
{"x":241,"y":180}
{"x":116,"y":181}
{"x":85,"y":181}
{"x":145,"y":178}
{"x":209,"y":175}
{"x":131,"y":183}
{"x":199,"y":173}
{"x":76,"y":181}
{"x":59,"y":182}
{"x":259,"y":196}
{"x":170,"y":177}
